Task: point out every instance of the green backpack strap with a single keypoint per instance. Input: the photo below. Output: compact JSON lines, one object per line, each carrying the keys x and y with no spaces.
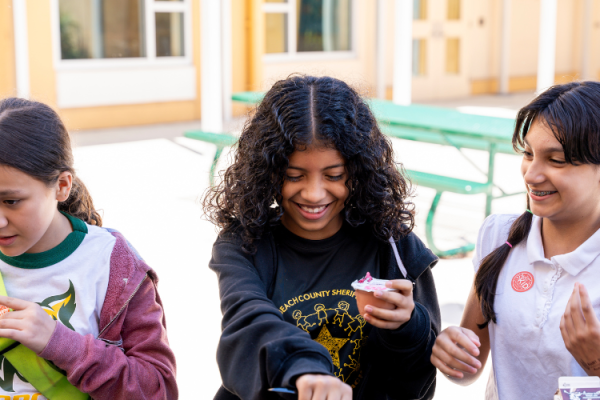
{"x":39,"y":373}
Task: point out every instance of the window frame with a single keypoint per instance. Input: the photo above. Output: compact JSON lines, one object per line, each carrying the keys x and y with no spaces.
{"x":290,"y":8}
{"x":151,"y":7}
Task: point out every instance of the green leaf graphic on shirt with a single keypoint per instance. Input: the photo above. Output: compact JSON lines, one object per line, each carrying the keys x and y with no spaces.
{"x":62,"y":306}
{"x":9,"y":375}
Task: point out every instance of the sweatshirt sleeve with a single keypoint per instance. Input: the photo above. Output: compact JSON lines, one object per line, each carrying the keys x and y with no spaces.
{"x":257,"y":348}
{"x":143,"y":369}
{"x":399,"y":360}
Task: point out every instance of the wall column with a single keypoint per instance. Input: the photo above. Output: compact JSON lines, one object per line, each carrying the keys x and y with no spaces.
{"x":402,"y":89}
{"x":547,"y":46}
{"x":505,"y":48}
{"x":380,"y":45}
{"x":226,"y":30}
{"x":21,"y":49}
{"x":211,"y":66}
{"x":586,"y":73}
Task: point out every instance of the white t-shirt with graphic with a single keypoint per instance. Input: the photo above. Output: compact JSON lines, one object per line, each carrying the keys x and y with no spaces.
{"x":68,"y":281}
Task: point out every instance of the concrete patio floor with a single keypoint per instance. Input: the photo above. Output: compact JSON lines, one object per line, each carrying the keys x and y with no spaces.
{"x":148,"y":181}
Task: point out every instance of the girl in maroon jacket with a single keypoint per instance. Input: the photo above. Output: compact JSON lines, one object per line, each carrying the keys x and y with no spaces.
{"x":81,"y":298}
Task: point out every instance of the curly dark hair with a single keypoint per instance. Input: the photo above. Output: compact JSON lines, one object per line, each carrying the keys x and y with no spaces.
{"x":295,"y":113}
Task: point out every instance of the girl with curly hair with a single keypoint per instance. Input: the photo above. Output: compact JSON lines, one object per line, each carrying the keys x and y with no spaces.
{"x":313,"y":201}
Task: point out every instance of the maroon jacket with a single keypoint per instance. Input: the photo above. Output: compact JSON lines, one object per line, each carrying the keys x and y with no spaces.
{"x":131,"y":359}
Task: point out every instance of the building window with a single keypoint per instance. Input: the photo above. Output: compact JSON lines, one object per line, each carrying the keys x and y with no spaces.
{"x":119,"y":29}
{"x":169,"y":34}
{"x":453,"y":13}
{"x":276,"y":36}
{"x":308,"y":26}
{"x":453,"y":56}
{"x":419,"y":10}
{"x":419,"y":60}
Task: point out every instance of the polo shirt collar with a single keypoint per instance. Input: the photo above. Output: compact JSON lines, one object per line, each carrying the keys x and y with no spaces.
{"x":535,"y":246}
{"x":573,"y":262}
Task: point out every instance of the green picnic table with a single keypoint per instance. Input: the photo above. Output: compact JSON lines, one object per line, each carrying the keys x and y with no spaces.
{"x":424,"y":124}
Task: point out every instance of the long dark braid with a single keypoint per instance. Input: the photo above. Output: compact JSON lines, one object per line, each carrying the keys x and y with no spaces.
{"x":491,"y":265}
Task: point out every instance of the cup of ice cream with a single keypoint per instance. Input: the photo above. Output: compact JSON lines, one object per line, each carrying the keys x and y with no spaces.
{"x":365,"y":289}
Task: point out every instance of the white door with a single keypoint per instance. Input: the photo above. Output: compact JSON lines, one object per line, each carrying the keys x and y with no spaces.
{"x":440,"y":49}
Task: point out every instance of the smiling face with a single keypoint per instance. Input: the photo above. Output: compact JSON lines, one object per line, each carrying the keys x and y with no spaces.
{"x":29,"y":219}
{"x":314,"y":192}
{"x":558,"y":191}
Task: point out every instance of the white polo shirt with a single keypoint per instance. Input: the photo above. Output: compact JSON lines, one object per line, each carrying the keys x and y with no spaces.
{"x":528,"y":352}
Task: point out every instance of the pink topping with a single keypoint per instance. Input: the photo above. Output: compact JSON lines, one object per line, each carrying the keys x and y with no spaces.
{"x":367,"y":278}
{"x":374,"y":287}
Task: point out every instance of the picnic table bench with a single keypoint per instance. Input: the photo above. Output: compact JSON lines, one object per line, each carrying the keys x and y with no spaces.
{"x":424,"y":124}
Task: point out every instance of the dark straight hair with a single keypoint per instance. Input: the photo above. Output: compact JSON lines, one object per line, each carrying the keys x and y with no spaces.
{"x":572,"y":112}
{"x":34,"y":140}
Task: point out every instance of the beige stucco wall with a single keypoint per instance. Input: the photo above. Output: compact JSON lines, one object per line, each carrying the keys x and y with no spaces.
{"x":251,"y":71}
{"x":140,"y":114}
{"x":482,"y":45}
{"x":358,"y":70}
{"x":43,"y":81}
{"x":524,"y":41}
{"x":595,"y":42}
{"x":41,"y":67}
{"x":483,"y":29}
{"x":7,"y":50}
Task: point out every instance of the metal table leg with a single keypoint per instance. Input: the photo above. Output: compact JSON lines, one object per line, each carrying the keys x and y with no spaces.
{"x":489,"y":196}
{"x":213,"y":167}
{"x":429,"y":233}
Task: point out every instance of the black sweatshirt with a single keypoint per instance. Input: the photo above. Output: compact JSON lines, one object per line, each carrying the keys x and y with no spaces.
{"x":289,"y":310}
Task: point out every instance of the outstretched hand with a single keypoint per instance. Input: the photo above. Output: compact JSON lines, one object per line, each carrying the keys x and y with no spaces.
{"x":28,"y":324}
{"x":322,"y":387}
{"x":580,"y":330}
{"x":455,"y":352}
{"x":403,"y":300}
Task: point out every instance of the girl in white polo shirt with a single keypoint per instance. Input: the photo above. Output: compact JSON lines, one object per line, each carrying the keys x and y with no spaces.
{"x":528,"y":304}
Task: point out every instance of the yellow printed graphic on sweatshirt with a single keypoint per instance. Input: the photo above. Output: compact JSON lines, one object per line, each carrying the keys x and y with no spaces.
{"x":60,"y":308}
{"x":334,"y":328}
{"x":332,"y":344}
{"x":34,"y":396}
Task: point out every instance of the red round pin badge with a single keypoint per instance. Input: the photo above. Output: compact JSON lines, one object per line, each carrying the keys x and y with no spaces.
{"x":522,"y":281}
